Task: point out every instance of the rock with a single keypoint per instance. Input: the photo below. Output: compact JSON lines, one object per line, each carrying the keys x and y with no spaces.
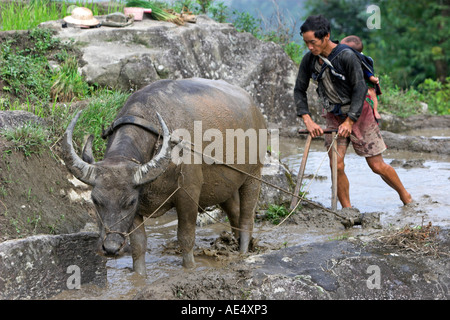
{"x":209,"y":216}
{"x":39,"y":267}
{"x":275,"y":173}
{"x":132,"y":57}
{"x":18,"y":118}
{"x":426,"y":121}
{"x":415,"y":143}
{"x":408,"y":164}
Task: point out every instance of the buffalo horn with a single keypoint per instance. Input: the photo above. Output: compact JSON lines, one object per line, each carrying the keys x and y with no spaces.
{"x":79,"y":168}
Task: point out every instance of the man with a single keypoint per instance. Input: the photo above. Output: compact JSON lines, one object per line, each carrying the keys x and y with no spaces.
{"x":343,"y":92}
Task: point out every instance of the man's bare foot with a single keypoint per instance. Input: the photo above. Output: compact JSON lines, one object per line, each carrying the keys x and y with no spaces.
{"x":407,"y":199}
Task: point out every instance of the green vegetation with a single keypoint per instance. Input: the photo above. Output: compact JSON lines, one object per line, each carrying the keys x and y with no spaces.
{"x":19,"y":15}
{"x":30,"y":138}
{"x":411,"y":50}
{"x":25,"y":15}
{"x":26,"y":76}
{"x":27,"y":82}
{"x":68,"y":84}
{"x":276,"y":213}
{"x":101,"y":110}
{"x":405,"y":102}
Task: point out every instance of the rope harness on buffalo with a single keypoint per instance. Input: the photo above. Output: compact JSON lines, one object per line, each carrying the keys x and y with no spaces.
{"x":203,"y":210}
{"x":148,"y":127}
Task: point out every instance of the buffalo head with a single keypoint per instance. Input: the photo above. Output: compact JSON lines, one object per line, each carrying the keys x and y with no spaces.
{"x":116,"y":185}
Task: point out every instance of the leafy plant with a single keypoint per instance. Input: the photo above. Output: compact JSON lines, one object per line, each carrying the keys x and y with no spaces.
{"x":398,"y":101}
{"x":24,"y":70}
{"x":294,"y":51}
{"x":437,"y":95}
{"x":205,"y":5}
{"x":275,"y":213}
{"x":245,"y":22}
{"x":219,"y":12}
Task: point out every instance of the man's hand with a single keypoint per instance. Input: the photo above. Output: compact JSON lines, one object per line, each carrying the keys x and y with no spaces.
{"x":374,"y":80}
{"x":313,"y":128}
{"x":345,"y":129}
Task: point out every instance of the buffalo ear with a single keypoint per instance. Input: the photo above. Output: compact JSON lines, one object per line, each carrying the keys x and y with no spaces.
{"x":87,"y":155}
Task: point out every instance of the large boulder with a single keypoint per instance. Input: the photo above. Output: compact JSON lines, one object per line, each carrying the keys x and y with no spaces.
{"x":38,"y":267}
{"x":149,"y":50}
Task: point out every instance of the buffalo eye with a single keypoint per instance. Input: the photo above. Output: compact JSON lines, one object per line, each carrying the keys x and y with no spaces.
{"x":130,"y":204}
{"x":96,"y":202}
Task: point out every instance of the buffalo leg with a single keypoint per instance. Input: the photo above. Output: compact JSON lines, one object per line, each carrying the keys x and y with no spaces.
{"x":187,"y":210}
{"x":232,"y":209}
{"x":249,"y":194}
{"x":138,"y":240}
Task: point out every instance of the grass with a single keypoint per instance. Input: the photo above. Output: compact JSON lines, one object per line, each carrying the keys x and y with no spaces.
{"x":25,"y":15}
{"x":19,"y":15}
{"x":27,"y":82}
{"x":68,"y":84}
{"x":100,"y":112}
{"x":30,"y":139}
{"x":404,"y":103}
{"x":26,"y":76}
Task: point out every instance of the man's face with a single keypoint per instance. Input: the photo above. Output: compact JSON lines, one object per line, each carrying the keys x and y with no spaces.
{"x":315,"y":45}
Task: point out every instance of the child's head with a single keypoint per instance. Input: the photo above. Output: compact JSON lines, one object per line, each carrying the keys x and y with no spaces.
{"x":353,"y":42}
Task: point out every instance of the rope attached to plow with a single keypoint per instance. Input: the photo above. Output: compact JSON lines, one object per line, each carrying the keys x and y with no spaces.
{"x":192,"y":146}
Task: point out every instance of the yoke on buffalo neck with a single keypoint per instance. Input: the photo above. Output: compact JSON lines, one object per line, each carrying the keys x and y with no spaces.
{"x":142,"y":123}
{"x":125,"y":146}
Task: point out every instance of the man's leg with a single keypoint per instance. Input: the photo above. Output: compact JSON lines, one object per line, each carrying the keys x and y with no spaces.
{"x":389,"y":175}
{"x":343,"y":185}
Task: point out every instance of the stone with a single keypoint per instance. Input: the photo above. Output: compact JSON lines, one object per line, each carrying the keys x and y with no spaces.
{"x":18,"y":118}
{"x":39,"y":267}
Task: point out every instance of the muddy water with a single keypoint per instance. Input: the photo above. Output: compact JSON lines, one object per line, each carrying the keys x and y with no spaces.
{"x":425,"y":176}
{"x":429,"y":184}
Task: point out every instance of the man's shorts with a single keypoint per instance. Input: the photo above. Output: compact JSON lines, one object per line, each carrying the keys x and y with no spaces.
{"x":366,"y":136}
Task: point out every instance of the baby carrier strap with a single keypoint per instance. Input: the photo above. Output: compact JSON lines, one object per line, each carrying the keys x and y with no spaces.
{"x":365,"y":62}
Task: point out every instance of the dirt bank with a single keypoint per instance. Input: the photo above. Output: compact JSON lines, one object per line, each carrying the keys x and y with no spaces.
{"x":35,"y":195}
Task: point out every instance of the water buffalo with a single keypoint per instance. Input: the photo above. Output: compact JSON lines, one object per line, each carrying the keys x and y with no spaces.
{"x":131,"y":182}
